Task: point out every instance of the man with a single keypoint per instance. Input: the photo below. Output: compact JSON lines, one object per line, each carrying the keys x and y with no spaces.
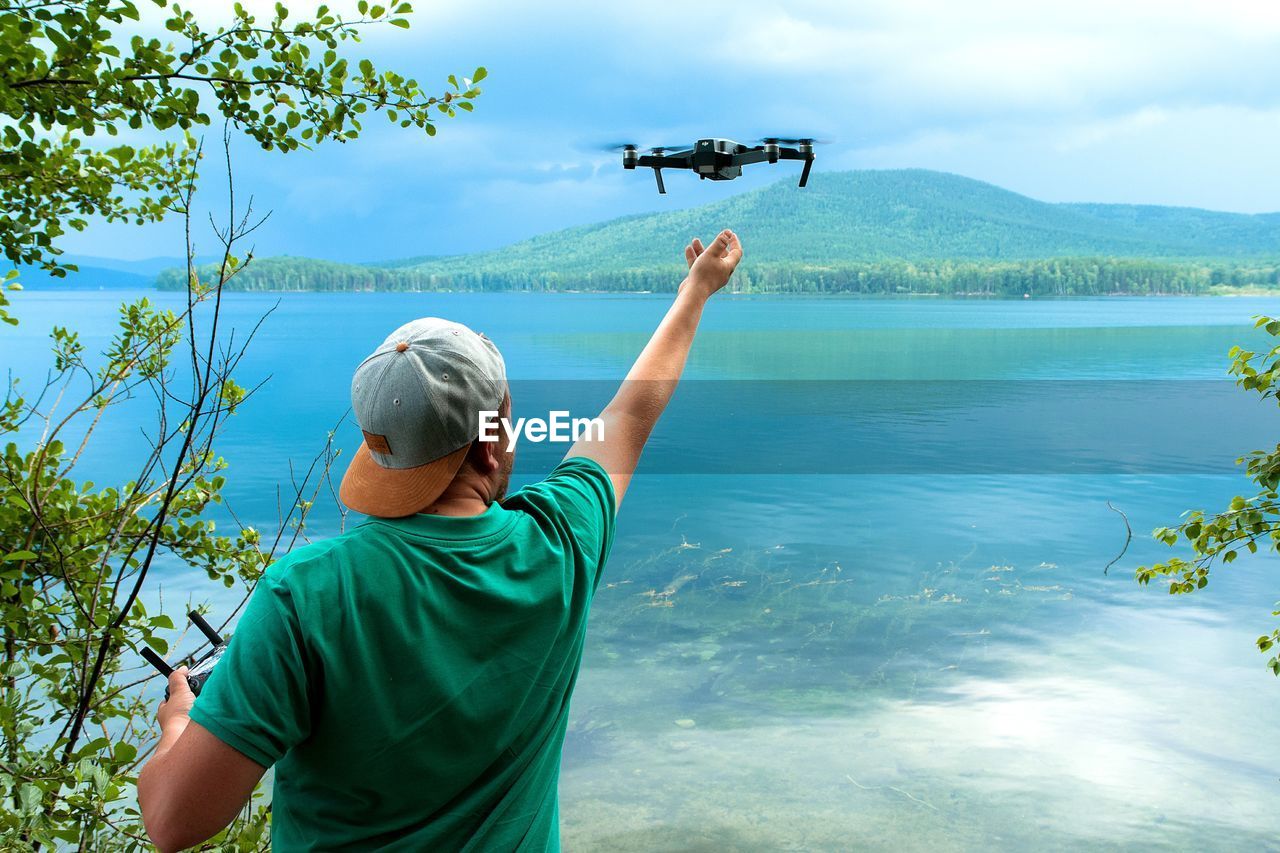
{"x":410,"y":679}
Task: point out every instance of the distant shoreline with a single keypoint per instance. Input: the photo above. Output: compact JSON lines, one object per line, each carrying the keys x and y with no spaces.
{"x":1215,"y":290}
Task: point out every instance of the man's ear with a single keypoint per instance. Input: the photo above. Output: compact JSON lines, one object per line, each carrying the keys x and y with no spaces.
{"x":484,"y":456}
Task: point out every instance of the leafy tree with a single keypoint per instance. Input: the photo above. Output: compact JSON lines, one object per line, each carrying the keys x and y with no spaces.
{"x":73,"y":72}
{"x":1248,"y":523}
{"x":78,"y":560}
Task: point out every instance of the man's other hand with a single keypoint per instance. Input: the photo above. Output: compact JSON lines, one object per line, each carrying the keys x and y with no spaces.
{"x":194,"y":784}
{"x":177,"y":708}
{"x":710,"y":267}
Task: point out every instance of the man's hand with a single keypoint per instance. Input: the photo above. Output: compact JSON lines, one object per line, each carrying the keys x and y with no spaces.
{"x":194,"y":784}
{"x":633,"y":411}
{"x":176,"y":710}
{"x":711,"y":267}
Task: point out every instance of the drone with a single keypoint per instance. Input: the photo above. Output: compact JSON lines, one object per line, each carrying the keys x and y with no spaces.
{"x":718,"y":159}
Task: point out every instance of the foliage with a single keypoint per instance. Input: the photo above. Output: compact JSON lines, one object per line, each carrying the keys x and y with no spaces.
{"x":1248,"y":523}
{"x":1052,"y":277}
{"x":74,"y":71}
{"x":78,"y":560}
{"x":8,"y":284}
{"x":77,"y":598}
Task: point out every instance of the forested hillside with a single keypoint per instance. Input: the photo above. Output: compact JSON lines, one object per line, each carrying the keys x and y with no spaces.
{"x":906,"y":231}
{"x":1051,"y":277}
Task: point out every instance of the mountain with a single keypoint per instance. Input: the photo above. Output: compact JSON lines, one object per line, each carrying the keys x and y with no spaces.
{"x":96,"y":273}
{"x":892,"y":231}
{"x":888,"y":215}
{"x":140,"y":266}
{"x":86,"y":278}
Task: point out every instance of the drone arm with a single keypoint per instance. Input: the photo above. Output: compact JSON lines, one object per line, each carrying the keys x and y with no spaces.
{"x":804,"y":173}
{"x":754,"y":155}
{"x":796,"y":154}
{"x":663,"y":161}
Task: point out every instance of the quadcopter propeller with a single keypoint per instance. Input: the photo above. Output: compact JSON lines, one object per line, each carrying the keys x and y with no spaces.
{"x":799,"y":140}
{"x":631,"y":146}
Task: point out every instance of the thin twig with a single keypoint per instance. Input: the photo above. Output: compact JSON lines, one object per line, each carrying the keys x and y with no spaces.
{"x":1128,"y":537}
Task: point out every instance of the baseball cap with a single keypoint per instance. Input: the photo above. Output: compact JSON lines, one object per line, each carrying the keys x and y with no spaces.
{"x":417,"y":399}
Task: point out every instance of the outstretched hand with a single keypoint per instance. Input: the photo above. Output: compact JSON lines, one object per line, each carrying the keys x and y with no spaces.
{"x":711,"y":266}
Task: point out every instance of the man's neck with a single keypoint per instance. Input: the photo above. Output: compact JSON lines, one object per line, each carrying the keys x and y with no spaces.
{"x":458,"y":507}
{"x":466,"y":495}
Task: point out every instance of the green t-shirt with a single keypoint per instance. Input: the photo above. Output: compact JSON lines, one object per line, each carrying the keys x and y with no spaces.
{"x":410,"y":679}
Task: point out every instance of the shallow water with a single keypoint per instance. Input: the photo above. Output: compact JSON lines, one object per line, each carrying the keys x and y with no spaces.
{"x":918,"y":651}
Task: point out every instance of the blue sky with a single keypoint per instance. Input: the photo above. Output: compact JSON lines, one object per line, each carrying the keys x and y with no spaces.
{"x":1169,"y":102}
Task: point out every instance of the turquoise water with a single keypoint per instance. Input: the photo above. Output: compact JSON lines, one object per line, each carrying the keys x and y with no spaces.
{"x":857,"y":596}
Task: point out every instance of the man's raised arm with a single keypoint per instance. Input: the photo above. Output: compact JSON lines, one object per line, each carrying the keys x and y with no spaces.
{"x":633,"y":411}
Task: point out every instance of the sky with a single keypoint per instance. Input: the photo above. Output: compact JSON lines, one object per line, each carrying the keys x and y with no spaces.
{"x":1170,"y":102}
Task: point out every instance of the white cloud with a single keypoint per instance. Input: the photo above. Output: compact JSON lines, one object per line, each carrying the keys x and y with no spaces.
{"x":1106,"y":100}
{"x":1202,"y":156}
{"x":996,"y":57}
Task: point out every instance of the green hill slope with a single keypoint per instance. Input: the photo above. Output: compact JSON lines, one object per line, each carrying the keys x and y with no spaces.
{"x":894,"y":231}
{"x":882,"y":215}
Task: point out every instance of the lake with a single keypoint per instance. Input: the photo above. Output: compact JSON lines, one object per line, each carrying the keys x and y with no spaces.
{"x":857,"y":596}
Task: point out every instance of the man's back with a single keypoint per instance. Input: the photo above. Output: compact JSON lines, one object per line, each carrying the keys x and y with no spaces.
{"x":411,"y":678}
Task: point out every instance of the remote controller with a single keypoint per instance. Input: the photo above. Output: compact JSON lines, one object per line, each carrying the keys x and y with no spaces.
{"x":199,"y":671}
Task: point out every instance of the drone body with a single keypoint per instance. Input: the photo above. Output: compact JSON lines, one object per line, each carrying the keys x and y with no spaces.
{"x":719,"y":159}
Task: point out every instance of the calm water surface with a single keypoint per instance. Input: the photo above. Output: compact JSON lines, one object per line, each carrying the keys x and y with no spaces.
{"x":891,"y":657}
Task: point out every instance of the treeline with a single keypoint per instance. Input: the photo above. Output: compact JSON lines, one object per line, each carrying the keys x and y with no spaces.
{"x":1053,"y":277}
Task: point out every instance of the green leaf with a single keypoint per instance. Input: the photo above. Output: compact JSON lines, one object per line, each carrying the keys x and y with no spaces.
{"x":125,"y":753}
{"x":29,"y":797}
{"x":18,"y":556}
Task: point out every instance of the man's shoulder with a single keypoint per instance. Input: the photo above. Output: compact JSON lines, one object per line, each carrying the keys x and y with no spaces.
{"x":577,"y":478}
{"x":574,"y":507}
{"x":317,"y":561}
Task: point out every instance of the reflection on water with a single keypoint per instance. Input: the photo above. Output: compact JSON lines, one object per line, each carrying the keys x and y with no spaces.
{"x":744,"y":701}
{"x":883,"y":661}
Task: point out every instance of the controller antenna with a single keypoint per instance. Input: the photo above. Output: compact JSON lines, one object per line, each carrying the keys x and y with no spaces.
{"x":205,"y":628}
{"x":158,"y":662}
